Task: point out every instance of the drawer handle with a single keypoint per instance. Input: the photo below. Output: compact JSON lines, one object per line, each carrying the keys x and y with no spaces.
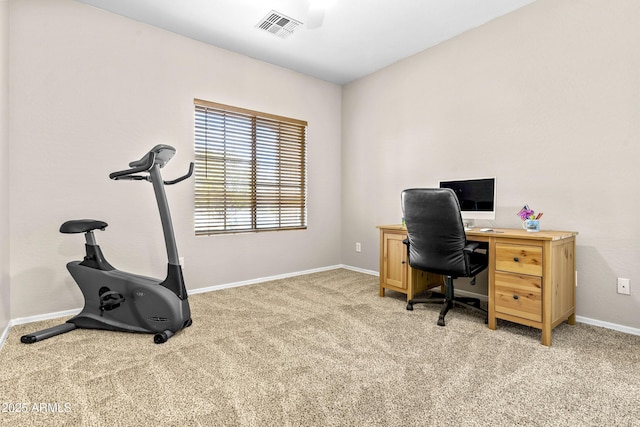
{"x":516,"y":259}
{"x":516,"y":297}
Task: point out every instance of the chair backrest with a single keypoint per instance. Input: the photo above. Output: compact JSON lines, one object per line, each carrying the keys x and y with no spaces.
{"x":435,"y":230}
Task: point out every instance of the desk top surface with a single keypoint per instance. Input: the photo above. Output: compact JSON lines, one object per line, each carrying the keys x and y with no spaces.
{"x":504,"y":232}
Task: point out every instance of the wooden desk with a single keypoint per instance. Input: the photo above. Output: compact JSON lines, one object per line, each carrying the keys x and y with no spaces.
{"x":531,"y":275}
{"x":395,"y":272}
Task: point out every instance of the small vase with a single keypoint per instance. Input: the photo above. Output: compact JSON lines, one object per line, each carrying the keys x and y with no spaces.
{"x":531,"y":225}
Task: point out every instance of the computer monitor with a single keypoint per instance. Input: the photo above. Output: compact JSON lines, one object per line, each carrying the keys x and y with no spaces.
{"x":477,"y":197}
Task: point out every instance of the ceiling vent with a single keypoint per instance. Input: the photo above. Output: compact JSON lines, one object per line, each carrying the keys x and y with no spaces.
{"x":278,"y":24}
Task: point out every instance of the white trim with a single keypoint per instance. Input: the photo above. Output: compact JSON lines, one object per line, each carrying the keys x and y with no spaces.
{"x":608,"y":325}
{"x":359,"y":270}
{"x":5,"y":334}
{"x":46,"y":316}
{"x":261,"y":280}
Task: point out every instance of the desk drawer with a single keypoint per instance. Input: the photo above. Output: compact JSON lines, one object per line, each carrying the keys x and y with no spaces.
{"x":519,"y":295}
{"x":519,"y":259}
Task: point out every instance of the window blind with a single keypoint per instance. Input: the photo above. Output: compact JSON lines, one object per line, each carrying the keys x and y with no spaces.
{"x":250,"y":170}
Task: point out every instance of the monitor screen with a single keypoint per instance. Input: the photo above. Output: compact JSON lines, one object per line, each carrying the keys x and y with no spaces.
{"x":477,"y":197}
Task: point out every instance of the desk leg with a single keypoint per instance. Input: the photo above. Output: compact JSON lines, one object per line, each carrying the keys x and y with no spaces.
{"x":493,"y":324}
{"x":546,"y":335}
{"x":491,"y":278}
{"x":381,"y":290}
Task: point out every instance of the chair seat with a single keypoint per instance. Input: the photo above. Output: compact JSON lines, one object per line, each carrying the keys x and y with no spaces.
{"x":82,"y":226}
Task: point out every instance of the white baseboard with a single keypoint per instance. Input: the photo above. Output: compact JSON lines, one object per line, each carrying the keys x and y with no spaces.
{"x":5,"y":334}
{"x":278,"y":277}
{"x":608,"y":325}
{"x":46,"y":316}
{"x":359,"y":270}
{"x":261,"y":279}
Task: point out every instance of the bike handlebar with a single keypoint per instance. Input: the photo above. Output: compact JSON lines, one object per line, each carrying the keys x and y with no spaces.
{"x":182,"y":178}
{"x":141,"y":165}
{"x":147,"y":162}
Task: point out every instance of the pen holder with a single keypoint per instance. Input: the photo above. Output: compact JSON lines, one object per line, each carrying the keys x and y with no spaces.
{"x":531,"y":225}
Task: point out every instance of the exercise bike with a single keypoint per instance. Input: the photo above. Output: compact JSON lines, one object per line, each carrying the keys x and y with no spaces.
{"x":120,"y":301}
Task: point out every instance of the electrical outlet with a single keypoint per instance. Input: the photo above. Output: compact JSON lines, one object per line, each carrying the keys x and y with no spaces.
{"x":624,"y":286}
{"x":358,"y":247}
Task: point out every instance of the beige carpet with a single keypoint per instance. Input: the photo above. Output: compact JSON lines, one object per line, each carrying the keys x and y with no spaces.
{"x":322,"y":350}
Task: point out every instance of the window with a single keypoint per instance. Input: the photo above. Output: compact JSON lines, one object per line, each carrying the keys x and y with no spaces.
{"x":250,"y":170}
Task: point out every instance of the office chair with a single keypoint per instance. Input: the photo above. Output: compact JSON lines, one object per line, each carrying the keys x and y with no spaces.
{"x":437,"y":243}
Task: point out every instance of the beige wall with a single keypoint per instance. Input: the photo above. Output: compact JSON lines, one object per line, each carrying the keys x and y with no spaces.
{"x":547,"y":99}
{"x":5,"y":294}
{"x":91,"y":91}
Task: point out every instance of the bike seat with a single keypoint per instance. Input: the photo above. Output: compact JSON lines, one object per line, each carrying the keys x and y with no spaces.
{"x":82,"y":226}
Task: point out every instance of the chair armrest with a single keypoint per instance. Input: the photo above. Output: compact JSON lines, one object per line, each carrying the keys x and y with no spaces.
{"x":471,"y":247}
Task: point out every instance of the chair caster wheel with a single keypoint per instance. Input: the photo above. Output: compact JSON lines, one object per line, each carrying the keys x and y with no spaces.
{"x":440,"y":321}
{"x":409,"y":306}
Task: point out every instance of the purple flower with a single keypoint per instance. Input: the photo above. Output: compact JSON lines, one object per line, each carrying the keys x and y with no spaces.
{"x":526,"y":213}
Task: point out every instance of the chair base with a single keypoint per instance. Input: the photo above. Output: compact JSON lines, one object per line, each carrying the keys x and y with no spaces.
{"x":448,"y":303}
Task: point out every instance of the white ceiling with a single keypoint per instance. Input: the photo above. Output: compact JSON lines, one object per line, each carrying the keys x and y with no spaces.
{"x":357,"y":37}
